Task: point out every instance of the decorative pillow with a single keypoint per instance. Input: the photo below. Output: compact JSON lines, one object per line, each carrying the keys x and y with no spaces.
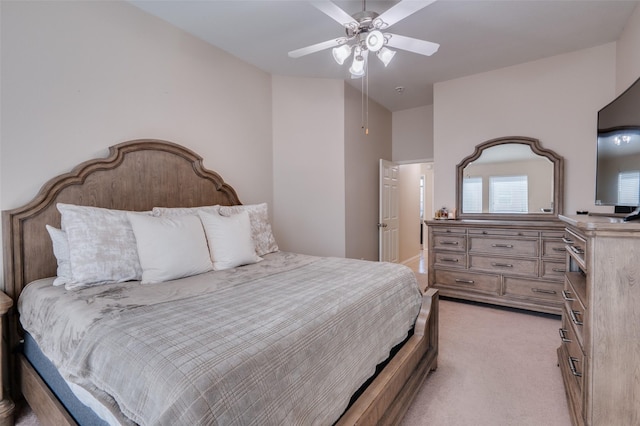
{"x":102,"y":246}
{"x":260,"y":227}
{"x":170,"y":247}
{"x":61,"y":252}
{"x":229,"y":238}
{"x":182,"y":211}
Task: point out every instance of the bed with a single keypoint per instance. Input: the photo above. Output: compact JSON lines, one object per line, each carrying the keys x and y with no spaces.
{"x":195,"y":379}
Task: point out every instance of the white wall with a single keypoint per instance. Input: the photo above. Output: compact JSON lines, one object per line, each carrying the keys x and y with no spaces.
{"x":78,"y":77}
{"x":628,"y":53}
{"x":413,"y":134}
{"x":554,"y":100}
{"x":308,"y":165}
{"x":362,"y":155}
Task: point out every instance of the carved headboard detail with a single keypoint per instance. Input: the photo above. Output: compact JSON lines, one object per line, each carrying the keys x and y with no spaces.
{"x":137,"y":175}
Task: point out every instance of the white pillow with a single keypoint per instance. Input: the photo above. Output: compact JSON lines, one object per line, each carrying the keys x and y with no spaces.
{"x":260,"y":227}
{"x":182,"y":211}
{"x":61,"y":252}
{"x":102,"y":247}
{"x":229,"y":239}
{"x":170,"y":247}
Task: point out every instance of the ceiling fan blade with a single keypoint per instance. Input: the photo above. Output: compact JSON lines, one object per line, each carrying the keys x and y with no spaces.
{"x":400,"y":11}
{"x":334,"y":12}
{"x":317,"y":47}
{"x":414,"y":45}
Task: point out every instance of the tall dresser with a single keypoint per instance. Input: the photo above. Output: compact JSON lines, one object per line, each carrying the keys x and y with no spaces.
{"x":599,"y":354}
{"x":505,"y":262}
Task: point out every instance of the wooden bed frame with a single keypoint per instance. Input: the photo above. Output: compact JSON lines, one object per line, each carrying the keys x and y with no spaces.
{"x":138,"y":175}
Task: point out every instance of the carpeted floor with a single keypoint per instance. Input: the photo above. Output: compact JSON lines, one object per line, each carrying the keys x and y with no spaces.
{"x":496,"y":367}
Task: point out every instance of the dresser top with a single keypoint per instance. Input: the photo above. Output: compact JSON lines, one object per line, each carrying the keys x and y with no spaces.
{"x":601,"y":223}
{"x":490,"y":223}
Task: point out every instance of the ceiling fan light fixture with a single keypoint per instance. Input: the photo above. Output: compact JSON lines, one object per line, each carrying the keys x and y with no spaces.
{"x":375,"y":40}
{"x":358,"y":65}
{"x":341,"y":53}
{"x":385,"y":55}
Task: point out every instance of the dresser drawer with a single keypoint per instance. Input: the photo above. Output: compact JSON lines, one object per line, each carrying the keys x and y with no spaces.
{"x":576,"y":247}
{"x":575,"y":310}
{"x":554,"y":248}
{"x":527,"y":267}
{"x":553,"y":234}
{"x":464,"y":280}
{"x":503,"y":246}
{"x":446,"y":230}
{"x":454,"y":242}
{"x":450,"y":260}
{"x":504,"y":232}
{"x":553,"y":270}
{"x":532,"y":289}
{"x":572,"y":362}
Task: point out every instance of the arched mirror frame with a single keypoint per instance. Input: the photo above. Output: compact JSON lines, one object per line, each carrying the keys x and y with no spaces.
{"x":534,"y":144}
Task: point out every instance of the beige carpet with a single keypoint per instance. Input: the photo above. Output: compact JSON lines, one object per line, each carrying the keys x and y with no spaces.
{"x":496,"y":368}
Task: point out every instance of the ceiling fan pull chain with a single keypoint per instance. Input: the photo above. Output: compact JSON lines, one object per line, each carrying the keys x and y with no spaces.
{"x":366,"y":129}
{"x":362,"y":103}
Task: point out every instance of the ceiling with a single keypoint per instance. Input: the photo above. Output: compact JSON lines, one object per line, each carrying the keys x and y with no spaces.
{"x":474,"y":36}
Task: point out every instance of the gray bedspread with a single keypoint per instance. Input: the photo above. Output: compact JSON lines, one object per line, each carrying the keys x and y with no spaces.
{"x":286,"y":341}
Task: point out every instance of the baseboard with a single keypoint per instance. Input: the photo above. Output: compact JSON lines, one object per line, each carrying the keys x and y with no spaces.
{"x":411,"y":259}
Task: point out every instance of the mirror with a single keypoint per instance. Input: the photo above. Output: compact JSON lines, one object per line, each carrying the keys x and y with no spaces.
{"x":510,"y":178}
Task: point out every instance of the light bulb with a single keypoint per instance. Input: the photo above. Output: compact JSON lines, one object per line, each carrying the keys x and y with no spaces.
{"x":358,"y":66}
{"x":341,"y":53}
{"x":374,"y":40}
{"x":385,"y":55}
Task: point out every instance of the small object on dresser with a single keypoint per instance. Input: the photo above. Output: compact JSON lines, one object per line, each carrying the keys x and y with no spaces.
{"x":582,"y":212}
{"x":442,"y":214}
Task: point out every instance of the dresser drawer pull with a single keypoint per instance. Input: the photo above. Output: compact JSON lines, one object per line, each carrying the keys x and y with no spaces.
{"x":461,"y":281}
{"x":563,"y":270}
{"x":566,"y":296}
{"x":574,"y":317}
{"x":566,"y":240}
{"x":542,"y":290}
{"x":563,"y":335}
{"x":448,"y":259}
{"x":502,"y":265}
{"x":559,"y":249}
{"x":576,"y":250}
{"x":572,"y":367}
{"x":449,"y":243}
{"x":502,"y":245}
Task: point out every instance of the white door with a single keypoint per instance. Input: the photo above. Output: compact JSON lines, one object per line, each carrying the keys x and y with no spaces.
{"x":388,"y":220}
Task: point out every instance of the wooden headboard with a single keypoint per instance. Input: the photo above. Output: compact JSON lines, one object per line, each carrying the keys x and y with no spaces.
{"x":137,"y":175}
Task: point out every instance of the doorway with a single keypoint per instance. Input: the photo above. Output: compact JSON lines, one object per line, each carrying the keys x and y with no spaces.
{"x":416,"y":205}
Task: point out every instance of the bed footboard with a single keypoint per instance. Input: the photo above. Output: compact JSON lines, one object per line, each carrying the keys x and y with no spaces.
{"x":388,"y":397}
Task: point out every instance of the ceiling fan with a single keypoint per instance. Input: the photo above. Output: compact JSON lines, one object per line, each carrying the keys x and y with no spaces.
{"x":364,"y":34}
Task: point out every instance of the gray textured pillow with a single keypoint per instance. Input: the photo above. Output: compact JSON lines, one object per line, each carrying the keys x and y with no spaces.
{"x":102,"y":245}
{"x":61,"y":252}
{"x":260,"y":227}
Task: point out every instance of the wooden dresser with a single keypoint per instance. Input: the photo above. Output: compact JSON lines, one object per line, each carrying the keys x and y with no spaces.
{"x":599,"y":355}
{"x":505,"y":262}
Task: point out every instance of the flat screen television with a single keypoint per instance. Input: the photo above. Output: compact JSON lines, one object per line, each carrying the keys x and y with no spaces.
{"x":618,"y":154}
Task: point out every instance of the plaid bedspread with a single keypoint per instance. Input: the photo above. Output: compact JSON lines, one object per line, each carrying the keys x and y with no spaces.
{"x":286,"y":341}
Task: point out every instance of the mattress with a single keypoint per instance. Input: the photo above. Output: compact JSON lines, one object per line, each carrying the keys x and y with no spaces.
{"x":285,"y":341}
